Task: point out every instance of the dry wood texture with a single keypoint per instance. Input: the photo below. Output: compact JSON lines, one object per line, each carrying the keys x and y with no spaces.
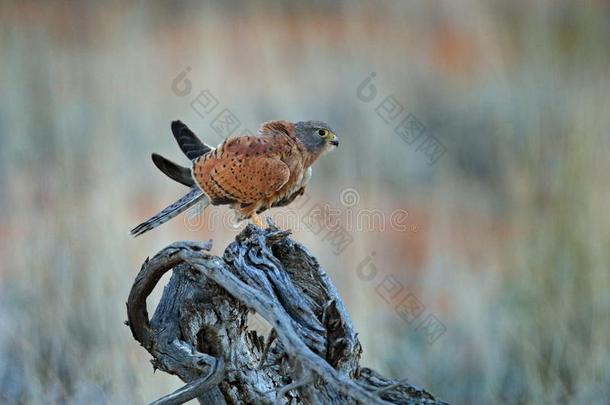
{"x":200,"y":329}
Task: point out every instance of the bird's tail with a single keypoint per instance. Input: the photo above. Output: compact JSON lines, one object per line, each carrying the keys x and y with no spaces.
{"x":188,"y":200}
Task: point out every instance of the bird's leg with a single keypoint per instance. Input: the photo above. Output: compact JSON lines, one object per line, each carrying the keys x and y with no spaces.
{"x":257,"y":221}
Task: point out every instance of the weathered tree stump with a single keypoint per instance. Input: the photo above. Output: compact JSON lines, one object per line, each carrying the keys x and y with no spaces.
{"x":200,"y":330}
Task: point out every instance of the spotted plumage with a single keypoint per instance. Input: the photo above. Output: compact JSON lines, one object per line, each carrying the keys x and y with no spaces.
{"x":249,"y":173}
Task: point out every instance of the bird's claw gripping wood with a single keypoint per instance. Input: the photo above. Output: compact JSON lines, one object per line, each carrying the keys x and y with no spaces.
{"x":256,"y":220}
{"x":200,"y":329}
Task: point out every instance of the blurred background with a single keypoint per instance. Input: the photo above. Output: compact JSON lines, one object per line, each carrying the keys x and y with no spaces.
{"x":471,"y":182}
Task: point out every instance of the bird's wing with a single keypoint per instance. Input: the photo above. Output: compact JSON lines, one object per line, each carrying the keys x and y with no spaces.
{"x":244,"y":169}
{"x":174,"y":171}
{"x":248,"y":179}
{"x":189,"y":143}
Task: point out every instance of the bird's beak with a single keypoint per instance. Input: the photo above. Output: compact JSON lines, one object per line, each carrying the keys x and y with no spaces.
{"x":334,"y":141}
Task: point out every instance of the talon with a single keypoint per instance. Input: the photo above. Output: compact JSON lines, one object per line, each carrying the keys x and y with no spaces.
{"x":256,"y":220}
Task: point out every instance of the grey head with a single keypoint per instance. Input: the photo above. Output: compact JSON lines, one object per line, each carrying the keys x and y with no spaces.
{"x":317,"y":136}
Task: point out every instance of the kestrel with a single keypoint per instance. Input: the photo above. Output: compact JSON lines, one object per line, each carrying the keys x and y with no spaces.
{"x":249,"y":173}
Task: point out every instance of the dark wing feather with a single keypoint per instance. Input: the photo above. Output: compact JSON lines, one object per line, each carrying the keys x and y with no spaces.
{"x":189,"y":143}
{"x":289,"y":199}
{"x":284,"y":201}
{"x":173,"y":171}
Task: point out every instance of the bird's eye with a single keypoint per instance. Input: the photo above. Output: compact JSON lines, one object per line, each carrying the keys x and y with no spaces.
{"x":322,"y":132}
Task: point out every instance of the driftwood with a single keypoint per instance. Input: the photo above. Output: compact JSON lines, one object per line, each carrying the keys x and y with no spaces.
{"x":200,"y":330}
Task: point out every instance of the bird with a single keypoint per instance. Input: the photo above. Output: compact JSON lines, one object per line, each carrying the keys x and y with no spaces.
{"x":249,"y":173}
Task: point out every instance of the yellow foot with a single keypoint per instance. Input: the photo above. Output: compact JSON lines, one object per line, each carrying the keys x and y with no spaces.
{"x":256,"y":220}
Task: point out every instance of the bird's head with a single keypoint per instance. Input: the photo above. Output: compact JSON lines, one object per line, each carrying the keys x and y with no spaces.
{"x":317,"y":136}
